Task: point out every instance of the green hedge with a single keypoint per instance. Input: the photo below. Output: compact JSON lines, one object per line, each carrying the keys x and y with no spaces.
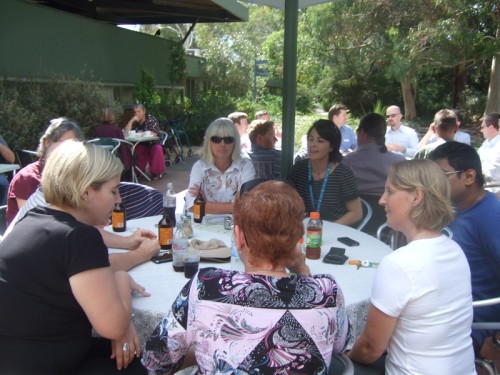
{"x":27,"y":106}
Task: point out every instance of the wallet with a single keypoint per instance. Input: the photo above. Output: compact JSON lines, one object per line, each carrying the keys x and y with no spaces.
{"x":336,"y":255}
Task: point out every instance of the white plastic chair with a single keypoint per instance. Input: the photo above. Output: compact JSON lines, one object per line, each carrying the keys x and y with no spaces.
{"x":367,"y":214}
{"x":487,"y":365}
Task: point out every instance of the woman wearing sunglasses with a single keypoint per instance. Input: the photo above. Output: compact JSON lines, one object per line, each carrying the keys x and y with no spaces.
{"x":221,"y":171}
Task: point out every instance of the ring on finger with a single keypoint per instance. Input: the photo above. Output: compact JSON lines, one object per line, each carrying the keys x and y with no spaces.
{"x":125,"y":346}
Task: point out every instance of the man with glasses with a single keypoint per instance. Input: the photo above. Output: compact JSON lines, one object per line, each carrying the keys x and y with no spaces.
{"x":475,"y":229}
{"x":489,"y":152}
{"x":399,"y":138}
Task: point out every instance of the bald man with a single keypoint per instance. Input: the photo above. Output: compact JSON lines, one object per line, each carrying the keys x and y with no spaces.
{"x":399,"y":138}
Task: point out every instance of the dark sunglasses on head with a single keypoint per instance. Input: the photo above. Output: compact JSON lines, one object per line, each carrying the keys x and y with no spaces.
{"x":216,"y":139}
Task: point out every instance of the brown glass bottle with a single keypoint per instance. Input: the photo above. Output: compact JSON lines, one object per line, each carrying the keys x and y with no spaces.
{"x":165,"y":232}
{"x":199,"y":207}
{"x":119,"y":218}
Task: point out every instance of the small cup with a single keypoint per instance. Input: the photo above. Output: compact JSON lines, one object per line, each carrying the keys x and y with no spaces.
{"x":191,"y":263}
{"x":148,"y":133}
{"x":131,"y":133}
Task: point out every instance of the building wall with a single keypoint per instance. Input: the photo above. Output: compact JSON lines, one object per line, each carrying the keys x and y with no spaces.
{"x":37,"y":41}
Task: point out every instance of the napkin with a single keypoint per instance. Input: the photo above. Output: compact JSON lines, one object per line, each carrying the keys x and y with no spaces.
{"x":213,"y":250}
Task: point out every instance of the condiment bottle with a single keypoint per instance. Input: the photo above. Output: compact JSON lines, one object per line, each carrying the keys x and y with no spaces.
{"x":119,"y":218}
{"x":199,"y":207}
{"x":165,"y":232}
{"x":314,"y":236}
{"x":169,"y":202}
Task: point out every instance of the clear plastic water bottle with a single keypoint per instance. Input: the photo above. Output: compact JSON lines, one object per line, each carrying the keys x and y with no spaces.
{"x":179,"y":247}
{"x":236,"y":263}
{"x":169,"y":202}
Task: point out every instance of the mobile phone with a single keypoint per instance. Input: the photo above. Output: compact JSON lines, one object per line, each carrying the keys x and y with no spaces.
{"x":336,"y":255}
{"x":348,"y":241}
{"x":162,"y":258}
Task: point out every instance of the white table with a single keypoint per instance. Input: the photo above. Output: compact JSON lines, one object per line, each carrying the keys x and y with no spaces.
{"x":4,"y":168}
{"x":134,"y":141}
{"x":164,"y":284}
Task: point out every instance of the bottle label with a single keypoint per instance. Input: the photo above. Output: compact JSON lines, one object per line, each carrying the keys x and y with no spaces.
{"x":197,"y":211}
{"x":118,"y":219}
{"x":165,"y":235}
{"x":313,"y":238}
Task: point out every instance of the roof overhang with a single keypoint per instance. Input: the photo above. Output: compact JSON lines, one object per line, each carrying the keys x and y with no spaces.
{"x":146,"y":12}
{"x":281,"y":3}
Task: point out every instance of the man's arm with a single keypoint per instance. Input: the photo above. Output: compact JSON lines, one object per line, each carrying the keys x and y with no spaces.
{"x":7,"y":153}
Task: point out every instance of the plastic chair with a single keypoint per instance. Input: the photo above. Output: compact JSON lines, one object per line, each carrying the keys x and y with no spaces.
{"x":487,"y":365}
{"x":110,"y":144}
{"x":341,"y":364}
{"x":367,"y":214}
{"x":25,"y":157}
{"x":391,"y":237}
{"x":140,"y":200}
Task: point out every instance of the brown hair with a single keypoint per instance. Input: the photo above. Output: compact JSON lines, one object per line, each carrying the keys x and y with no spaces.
{"x":259,"y":127}
{"x":270,"y":215}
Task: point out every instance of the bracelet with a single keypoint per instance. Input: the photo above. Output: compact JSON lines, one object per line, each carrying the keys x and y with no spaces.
{"x":496,"y":341}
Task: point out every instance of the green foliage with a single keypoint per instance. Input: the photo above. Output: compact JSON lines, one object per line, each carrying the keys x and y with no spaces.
{"x":145,"y":91}
{"x":28,"y":106}
{"x":177,"y":63}
{"x":380,"y":108}
{"x":204,"y":109}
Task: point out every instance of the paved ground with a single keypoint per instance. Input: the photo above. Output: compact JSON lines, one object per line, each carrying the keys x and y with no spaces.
{"x":178,"y":174}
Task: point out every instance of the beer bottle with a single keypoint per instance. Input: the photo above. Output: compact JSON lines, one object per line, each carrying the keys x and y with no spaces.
{"x":119,"y":218}
{"x":199,"y":207}
{"x":165,"y":232}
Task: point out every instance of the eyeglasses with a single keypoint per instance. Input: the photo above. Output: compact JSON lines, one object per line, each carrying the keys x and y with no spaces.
{"x":451,"y":172}
{"x":216,"y":139}
{"x":393,"y":115}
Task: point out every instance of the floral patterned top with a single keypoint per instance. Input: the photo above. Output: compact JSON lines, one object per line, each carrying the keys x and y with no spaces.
{"x":240,"y":323}
{"x":218,"y":186}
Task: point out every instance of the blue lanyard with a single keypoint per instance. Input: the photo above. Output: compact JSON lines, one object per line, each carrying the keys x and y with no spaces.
{"x":325,"y":180}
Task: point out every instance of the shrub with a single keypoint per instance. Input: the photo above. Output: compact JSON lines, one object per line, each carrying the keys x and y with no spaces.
{"x":28,"y":106}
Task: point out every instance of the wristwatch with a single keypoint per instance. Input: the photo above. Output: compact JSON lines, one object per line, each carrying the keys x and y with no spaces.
{"x":496,"y":340}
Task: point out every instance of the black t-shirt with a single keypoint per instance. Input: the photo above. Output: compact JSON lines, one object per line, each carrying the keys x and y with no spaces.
{"x":39,"y":310}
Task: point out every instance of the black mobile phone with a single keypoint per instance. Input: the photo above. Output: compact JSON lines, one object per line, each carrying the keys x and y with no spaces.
{"x":336,"y":255}
{"x":162,"y":258}
{"x":348,"y":241}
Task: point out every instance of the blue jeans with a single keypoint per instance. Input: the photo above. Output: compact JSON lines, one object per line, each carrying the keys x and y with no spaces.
{"x":4,"y":188}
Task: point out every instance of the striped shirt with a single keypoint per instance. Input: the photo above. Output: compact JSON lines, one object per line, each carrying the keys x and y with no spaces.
{"x":340,"y":188}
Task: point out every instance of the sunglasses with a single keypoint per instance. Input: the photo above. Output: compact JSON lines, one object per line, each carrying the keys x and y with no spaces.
{"x":216,"y":139}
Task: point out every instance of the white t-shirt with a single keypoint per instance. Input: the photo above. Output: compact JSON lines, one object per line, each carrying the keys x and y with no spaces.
{"x":427,"y":286}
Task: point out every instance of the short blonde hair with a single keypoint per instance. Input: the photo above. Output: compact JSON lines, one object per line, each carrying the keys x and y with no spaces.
{"x":107,"y":115}
{"x":236,"y":117}
{"x":72,"y":168}
{"x":222,"y":127}
{"x":270,"y":215}
{"x":434,"y":211}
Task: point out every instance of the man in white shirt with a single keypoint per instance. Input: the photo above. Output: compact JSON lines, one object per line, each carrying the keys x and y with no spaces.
{"x":399,"y":138}
{"x":489,"y":152}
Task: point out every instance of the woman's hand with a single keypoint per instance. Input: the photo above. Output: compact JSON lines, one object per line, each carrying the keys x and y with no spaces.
{"x":126,"y":348}
{"x":139,"y":236}
{"x":193,"y":191}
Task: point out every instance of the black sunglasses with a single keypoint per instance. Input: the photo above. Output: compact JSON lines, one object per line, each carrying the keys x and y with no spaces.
{"x":227,"y":140}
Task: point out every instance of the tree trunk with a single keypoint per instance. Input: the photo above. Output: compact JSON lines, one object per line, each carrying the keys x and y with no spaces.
{"x":493,"y":101}
{"x":459,"y":85}
{"x":409,"y":96}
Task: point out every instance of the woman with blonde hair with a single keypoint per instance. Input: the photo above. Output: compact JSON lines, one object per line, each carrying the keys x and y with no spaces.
{"x":263,"y":320}
{"x":421,"y":303}
{"x":222,"y":169}
{"x":56,"y":282}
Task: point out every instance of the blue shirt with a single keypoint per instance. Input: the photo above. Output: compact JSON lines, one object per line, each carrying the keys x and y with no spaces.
{"x":349,"y":140}
{"x":476,"y":231}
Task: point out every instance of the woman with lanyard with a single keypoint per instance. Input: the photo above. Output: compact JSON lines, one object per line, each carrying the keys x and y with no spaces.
{"x":326,"y":185}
